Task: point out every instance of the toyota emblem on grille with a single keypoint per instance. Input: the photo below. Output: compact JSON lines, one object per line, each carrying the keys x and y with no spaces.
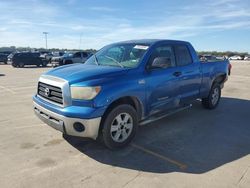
{"x":47,"y":92}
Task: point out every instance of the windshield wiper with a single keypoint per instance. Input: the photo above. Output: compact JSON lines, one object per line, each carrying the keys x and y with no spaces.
{"x":114,"y":60}
{"x":96,"y":60}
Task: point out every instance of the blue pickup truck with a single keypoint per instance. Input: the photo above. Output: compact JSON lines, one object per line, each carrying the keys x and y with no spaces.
{"x":124,"y":85}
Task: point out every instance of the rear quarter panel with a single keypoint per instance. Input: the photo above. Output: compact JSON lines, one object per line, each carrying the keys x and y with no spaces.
{"x":211,"y":71}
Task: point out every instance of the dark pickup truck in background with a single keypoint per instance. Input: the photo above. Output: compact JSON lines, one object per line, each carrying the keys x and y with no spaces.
{"x":70,"y":58}
{"x":126,"y":84}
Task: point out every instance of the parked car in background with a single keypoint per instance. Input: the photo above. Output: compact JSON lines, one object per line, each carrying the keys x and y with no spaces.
{"x":247,"y":58}
{"x":28,"y":58}
{"x":10,"y":56}
{"x":126,"y":84}
{"x":229,"y":68}
{"x":235,"y":57}
{"x":6,"y":52}
{"x":58,"y":53}
{"x":208,"y":58}
{"x":46,"y":55}
{"x":70,"y":58}
{"x":4,"y":58}
{"x":58,"y":60}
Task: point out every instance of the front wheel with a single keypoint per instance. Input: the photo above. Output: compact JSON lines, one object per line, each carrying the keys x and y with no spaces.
{"x":213,"y":99}
{"x":119,"y":126}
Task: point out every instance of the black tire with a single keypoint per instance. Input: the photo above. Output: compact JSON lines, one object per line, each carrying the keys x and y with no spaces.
{"x":21,"y":65}
{"x":14,"y":65}
{"x":44,"y":64}
{"x":107,"y":136}
{"x":213,"y":99}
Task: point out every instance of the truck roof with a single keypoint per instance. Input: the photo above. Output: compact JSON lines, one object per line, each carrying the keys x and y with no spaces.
{"x":152,"y":41}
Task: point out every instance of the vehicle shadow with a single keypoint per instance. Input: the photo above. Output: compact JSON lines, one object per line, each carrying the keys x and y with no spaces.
{"x":2,"y":74}
{"x":200,"y":139}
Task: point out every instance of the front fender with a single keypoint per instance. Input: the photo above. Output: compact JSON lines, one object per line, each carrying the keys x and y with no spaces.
{"x":120,"y":88}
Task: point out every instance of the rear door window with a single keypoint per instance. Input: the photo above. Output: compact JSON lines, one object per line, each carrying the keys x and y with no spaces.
{"x":183,"y":56}
{"x":163,"y":51}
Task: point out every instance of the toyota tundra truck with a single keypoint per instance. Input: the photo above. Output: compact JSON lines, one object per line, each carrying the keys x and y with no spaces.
{"x":125,"y":85}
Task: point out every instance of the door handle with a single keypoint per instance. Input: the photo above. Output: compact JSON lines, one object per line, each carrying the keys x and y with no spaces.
{"x":177,"y":74}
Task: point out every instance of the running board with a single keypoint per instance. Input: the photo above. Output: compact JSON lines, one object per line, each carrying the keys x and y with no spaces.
{"x":163,"y":115}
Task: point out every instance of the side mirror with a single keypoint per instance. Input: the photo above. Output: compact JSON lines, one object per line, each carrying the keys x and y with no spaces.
{"x":161,"y":62}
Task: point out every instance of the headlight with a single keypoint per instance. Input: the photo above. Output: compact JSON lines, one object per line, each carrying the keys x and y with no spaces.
{"x":85,"y":93}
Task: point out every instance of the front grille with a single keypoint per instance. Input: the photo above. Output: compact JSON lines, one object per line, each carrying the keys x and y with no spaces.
{"x":49,"y":92}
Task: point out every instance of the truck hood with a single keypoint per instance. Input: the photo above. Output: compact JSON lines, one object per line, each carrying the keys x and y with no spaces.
{"x":80,"y":72}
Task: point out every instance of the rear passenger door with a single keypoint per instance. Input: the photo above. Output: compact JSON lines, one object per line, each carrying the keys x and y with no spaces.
{"x":189,"y":73}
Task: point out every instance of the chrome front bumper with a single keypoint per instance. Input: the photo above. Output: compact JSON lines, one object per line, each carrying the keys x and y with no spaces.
{"x":65,"y":124}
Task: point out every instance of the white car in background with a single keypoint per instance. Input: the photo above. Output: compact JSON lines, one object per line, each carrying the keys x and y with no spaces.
{"x":247,"y":58}
{"x":235,"y":57}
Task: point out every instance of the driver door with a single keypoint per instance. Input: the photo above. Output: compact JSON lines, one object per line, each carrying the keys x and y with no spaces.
{"x":162,"y":82}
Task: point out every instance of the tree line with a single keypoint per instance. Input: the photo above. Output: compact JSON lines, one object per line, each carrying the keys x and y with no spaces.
{"x":215,"y":53}
{"x":226,"y":53}
{"x":21,"y":49}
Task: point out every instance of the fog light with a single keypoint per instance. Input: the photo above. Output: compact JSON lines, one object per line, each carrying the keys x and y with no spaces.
{"x":78,"y":127}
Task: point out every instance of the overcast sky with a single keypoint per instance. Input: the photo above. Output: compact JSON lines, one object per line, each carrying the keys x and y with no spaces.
{"x":208,"y":24}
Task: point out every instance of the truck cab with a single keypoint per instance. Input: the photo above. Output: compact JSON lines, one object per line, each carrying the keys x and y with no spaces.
{"x":124,"y":85}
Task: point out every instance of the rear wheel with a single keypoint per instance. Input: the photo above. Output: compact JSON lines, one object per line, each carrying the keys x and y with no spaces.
{"x":213,"y":99}
{"x":119,"y":126}
{"x":21,"y":65}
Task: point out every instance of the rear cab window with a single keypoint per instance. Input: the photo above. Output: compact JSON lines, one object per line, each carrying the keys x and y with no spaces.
{"x":183,"y":56}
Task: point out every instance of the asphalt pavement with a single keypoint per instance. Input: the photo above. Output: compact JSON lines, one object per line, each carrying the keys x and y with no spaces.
{"x":192,"y":148}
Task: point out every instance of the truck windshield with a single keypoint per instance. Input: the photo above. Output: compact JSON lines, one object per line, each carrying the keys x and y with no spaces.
{"x":127,"y":55}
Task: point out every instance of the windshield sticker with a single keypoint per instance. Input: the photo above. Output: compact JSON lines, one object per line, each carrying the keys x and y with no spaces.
{"x":141,"y":47}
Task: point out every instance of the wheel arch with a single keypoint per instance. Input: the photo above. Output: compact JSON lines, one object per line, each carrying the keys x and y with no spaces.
{"x":131,"y":100}
{"x":220,"y":79}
